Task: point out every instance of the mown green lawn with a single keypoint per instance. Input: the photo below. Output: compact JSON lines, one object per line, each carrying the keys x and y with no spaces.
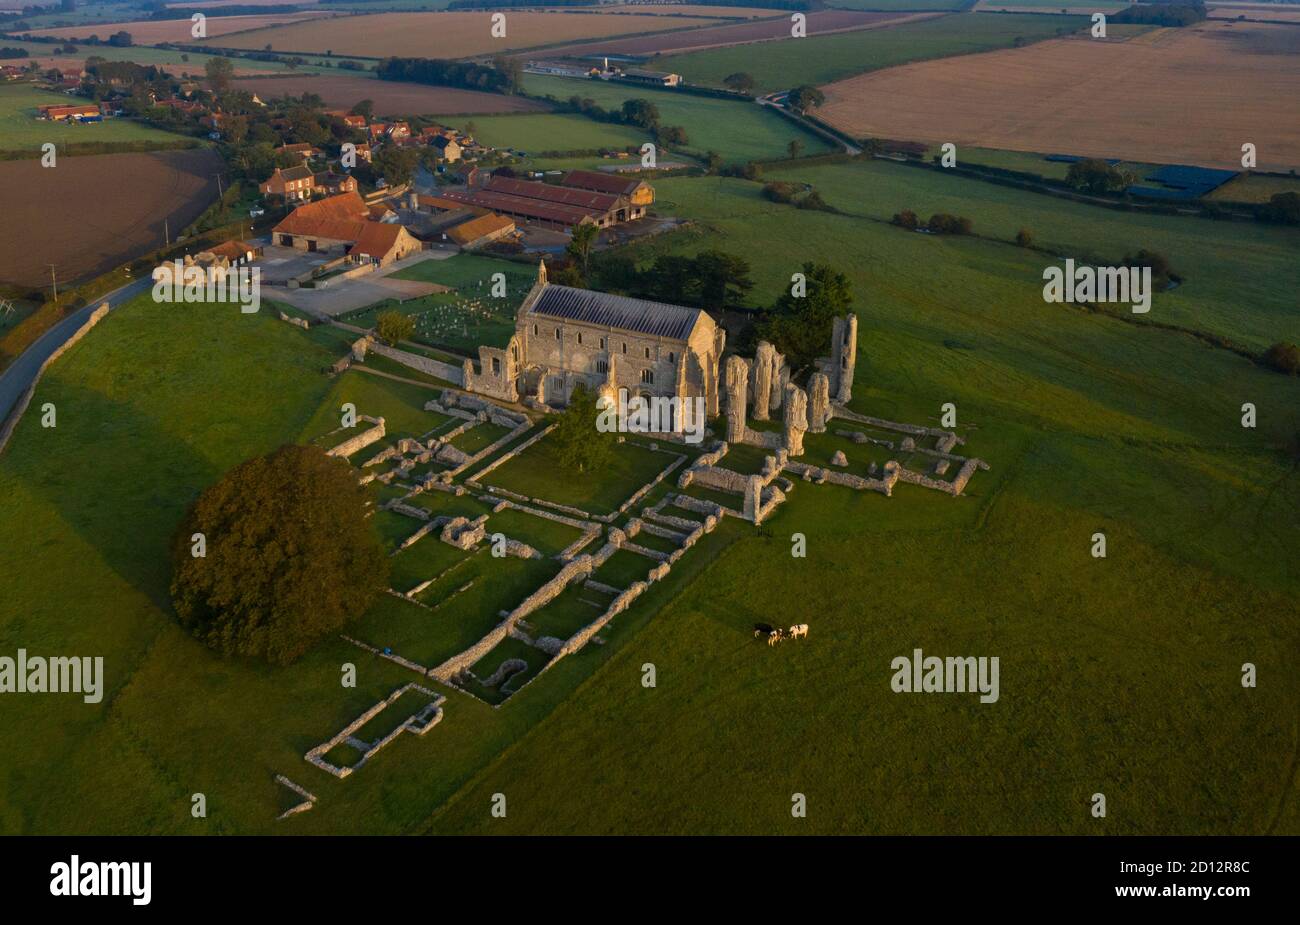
{"x":537,"y":472}
{"x":822,"y":59}
{"x":737,"y":130}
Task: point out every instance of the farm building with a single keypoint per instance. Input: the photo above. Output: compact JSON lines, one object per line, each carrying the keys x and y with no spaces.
{"x":341,"y":225}
{"x":550,"y":205}
{"x":566,"y":336}
{"x":482,"y":230}
{"x":637,"y":192}
{"x":57,"y":113}
{"x":637,"y":75}
{"x":236,"y":252}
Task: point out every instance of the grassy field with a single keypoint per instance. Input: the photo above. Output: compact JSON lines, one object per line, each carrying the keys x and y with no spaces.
{"x":21,"y":130}
{"x":1118,"y":675}
{"x":738,"y":131}
{"x":173,"y":715}
{"x":822,"y":59}
{"x":1236,"y":276}
{"x":558,"y":132}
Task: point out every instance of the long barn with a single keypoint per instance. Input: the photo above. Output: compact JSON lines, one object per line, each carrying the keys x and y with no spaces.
{"x":560,"y":205}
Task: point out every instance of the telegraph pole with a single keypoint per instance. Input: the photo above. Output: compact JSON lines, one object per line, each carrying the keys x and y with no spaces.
{"x":54,"y":281}
{"x":167,"y":237}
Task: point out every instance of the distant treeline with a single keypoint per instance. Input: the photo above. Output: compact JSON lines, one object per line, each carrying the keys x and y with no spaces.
{"x":442,"y":73}
{"x":249,"y":10}
{"x":1162,"y":14}
{"x":8,"y":52}
{"x":499,"y":4}
{"x":505,"y":4}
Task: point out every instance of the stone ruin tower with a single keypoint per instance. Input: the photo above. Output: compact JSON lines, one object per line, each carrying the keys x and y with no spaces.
{"x":843,"y":359}
{"x":819,"y":402}
{"x":796,"y":419}
{"x":737,"y":386}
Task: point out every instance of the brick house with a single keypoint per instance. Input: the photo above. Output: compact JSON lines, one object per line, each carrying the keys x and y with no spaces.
{"x":290,"y":183}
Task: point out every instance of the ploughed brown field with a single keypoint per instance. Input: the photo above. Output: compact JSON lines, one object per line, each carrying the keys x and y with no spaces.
{"x":391,"y":97}
{"x":91,"y":214}
{"x":446,"y":35}
{"x":151,"y":32}
{"x":1191,"y":96}
{"x":739,"y":33}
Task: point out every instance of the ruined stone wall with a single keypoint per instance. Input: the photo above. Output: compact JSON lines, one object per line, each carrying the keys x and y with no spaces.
{"x":616,"y":607}
{"x":577,"y":568}
{"x":428,"y":365}
{"x":361,"y":440}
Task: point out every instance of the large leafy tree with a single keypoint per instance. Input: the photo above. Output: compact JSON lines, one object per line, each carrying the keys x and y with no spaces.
{"x":219,"y":73}
{"x":806,"y":98}
{"x":289,"y":559}
{"x":800,"y":325}
{"x":639,"y":112}
{"x":393,"y":326}
{"x":739,"y":81}
{"x":582,"y":242}
{"x":723,"y":279}
{"x":578,"y":443}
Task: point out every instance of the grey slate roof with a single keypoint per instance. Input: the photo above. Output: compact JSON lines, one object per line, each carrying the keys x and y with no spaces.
{"x":657,"y":319}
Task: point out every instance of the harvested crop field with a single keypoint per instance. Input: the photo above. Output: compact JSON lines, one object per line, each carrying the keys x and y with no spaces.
{"x":151,"y":32}
{"x":688,"y":9}
{"x":218,"y":4}
{"x":767,"y":30}
{"x":1190,"y":96}
{"x":446,"y":35}
{"x":391,"y":97}
{"x":1270,"y":12}
{"x":64,"y":217}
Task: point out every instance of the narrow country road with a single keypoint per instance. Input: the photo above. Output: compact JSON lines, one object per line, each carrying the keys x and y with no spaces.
{"x":15,"y":380}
